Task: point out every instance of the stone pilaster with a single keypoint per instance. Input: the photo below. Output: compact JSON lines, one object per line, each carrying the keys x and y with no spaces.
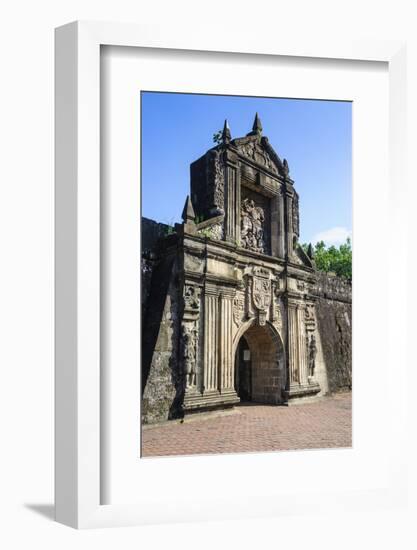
{"x":302,"y":346}
{"x":231,"y":214}
{"x":225,"y":343}
{"x":278,"y":226}
{"x":210,"y":341}
{"x":289,"y":224}
{"x":281,"y":226}
{"x":293,"y":348}
{"x":299,"y":383}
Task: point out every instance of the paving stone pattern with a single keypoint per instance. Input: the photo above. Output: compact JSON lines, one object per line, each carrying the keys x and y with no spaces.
{"x":324,"y":423}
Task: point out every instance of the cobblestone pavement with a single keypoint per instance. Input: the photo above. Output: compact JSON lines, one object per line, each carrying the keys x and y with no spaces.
{"x":324,"y":423}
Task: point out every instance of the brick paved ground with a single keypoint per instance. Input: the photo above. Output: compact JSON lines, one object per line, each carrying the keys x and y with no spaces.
{"x":323,"y":423}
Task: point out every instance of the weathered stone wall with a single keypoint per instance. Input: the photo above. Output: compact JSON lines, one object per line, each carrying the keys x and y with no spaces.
{"x":334,"y":316}
{"x":151,"y":232}
{"x":160,"y":340}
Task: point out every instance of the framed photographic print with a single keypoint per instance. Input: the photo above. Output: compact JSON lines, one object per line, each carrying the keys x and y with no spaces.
{"x":238,"y":317}
{"x":218,"y":352}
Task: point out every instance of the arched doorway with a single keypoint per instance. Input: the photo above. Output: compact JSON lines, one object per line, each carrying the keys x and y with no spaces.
{"x":260,"y":374}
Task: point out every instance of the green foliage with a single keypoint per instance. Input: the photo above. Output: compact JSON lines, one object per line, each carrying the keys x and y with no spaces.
{"x":206,"y":232}
{"x":168,"y":230}
{"x":217,"y":137}
{"x":338,"y":260}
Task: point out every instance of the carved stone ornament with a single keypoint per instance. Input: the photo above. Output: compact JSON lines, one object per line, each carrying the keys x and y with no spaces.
{"x":257,"y":153}
{"x":301,"y":285}
{"x":238,"y":309}
{"x":252,"y":234}
{"x":312,"y":352}
{"x":261,"y":293}
{"x":218,"y":182}
{"x":192,"y":297}
{"x":276,"y":315}
{"x":296,"y":215}
{"x":189,"y":353}
{"x":310,"y":317}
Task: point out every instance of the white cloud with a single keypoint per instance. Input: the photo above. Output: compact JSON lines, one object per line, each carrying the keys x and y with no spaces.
{"x":335,"y":235}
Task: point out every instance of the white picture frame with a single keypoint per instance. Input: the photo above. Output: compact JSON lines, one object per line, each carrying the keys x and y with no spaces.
{"x":78,"y":405}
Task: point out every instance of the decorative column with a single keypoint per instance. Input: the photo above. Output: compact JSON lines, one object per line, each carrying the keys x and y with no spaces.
{"x":216,"y":386}
{"x":210,"y":380}
{"x":281,"y":225}
{"x":293,"y":349}
{"x":277,"y":226}
{"x":302,"y":346}
{"x":289,"y":224}
{"x":232,"y":198}
{"x":226,"y":363}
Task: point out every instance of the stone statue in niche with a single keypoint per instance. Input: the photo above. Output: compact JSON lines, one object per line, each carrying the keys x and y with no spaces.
{"x":312,"y":352}
{"x":189,"y":354}
{"x":252,"y":226}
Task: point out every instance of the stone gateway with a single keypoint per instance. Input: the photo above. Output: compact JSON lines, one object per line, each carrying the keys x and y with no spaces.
{"x":231,"y":303}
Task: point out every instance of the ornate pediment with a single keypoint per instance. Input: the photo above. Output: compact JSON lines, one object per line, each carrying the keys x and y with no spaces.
{"x":253,"y":149}
{"x":257,"y":149}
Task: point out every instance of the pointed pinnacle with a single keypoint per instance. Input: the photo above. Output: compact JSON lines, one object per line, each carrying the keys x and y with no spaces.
{"x":226,"y":134}
{"x":286,"y":168}
{"x":257,"y":126}
{"x":310,"y":252}
{"x":188,"y":214}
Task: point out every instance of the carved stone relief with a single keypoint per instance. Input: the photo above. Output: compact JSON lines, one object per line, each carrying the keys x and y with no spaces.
{"x":301,"y":285}
{"x":312,"y":352}
{"x":256,"y":298}
{"x":276,"y":314}
{"x":295,"y":215}
{"x":192,"y":297}
{"x":189,"y":353}
{"x":310,"y":317}
{"x":255,"y":152}
{"x":261,"y":292}
{"x":239,"y":308}
{"x":252,"y":234}
{"x":218,"y":182}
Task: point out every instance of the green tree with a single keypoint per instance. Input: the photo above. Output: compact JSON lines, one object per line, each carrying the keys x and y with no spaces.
{"x":338,"y":260}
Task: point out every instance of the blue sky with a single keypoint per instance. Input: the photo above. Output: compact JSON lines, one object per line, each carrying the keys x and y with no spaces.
{"x":314,"y":136}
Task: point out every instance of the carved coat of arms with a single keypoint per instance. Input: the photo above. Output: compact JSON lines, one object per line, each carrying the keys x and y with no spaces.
{"x":261,"y":293}
{"x":238,"y":308}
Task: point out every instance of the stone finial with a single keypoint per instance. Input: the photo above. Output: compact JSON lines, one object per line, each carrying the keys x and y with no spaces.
{"x":257,"y":126}
{"x":286,"y":168}
{"x":188,"y":215}
{"x":310,"y":252}
{"x":226,"y":134}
